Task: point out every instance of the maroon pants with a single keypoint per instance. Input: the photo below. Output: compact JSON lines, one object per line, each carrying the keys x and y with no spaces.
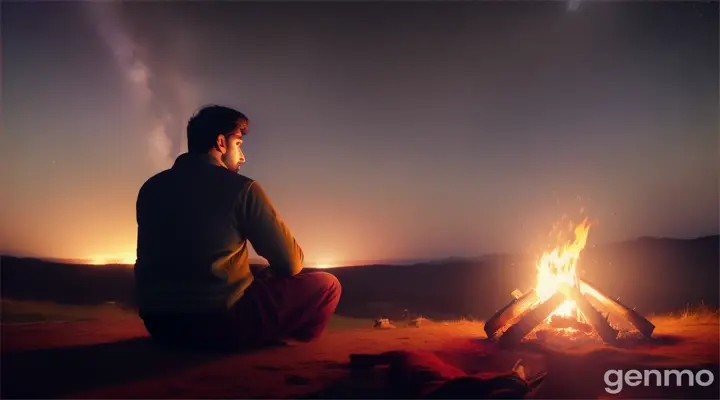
{"x":269,"y":311}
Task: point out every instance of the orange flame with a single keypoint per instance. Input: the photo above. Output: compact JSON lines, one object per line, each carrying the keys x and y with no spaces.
{"x":559,"y":266}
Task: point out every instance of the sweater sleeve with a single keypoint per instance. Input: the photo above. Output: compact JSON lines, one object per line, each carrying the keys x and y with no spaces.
{"x":267,"y":232}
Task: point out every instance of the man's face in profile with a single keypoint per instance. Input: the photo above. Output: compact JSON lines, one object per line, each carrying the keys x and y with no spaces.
{"x":232,"y":154}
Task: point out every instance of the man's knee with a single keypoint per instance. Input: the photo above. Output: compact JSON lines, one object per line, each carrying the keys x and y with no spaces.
{"x":328,"y":283}
{"x":332,"y":283}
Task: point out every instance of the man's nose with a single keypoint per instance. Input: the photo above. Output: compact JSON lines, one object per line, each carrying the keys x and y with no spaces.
{"x":242,"y":157}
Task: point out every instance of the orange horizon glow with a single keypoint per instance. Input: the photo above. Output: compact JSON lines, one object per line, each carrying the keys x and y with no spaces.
{"x":126,"y":258}
{"x":129,"y":258}
{"x":324,"y":266}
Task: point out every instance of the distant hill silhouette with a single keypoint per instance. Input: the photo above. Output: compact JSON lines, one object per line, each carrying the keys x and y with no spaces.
{"x":653,"y":275}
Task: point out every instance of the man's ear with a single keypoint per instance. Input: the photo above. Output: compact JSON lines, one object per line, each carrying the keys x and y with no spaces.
{"x":221,"y":144}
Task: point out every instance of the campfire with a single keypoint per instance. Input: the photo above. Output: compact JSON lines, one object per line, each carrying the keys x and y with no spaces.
{"x":563,"y":301}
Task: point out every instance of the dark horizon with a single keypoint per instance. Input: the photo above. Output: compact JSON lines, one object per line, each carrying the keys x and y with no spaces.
{"x":398,"y":262}
{"x":654,"y":276}
{"x":381,"y":131}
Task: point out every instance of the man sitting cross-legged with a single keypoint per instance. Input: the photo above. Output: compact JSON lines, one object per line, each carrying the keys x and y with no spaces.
{"x":194,"y":283}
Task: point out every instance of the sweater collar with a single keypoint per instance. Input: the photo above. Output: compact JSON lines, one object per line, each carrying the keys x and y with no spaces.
{"x":196,"y":159}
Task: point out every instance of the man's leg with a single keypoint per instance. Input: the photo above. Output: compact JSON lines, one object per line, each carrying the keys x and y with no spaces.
{"x":194,"y":330}
{"x":296,"y":307}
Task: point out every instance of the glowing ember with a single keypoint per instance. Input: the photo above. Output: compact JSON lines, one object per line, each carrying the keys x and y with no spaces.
{"x":558,"y":267}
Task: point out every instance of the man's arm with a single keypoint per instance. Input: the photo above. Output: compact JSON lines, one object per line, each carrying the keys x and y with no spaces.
{"x":267,"y":232}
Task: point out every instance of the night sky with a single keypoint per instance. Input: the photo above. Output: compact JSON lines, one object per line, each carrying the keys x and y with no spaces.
{"x":380,"y":130}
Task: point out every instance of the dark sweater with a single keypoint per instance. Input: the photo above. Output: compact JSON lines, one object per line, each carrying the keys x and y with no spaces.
{"x":194,"y":223}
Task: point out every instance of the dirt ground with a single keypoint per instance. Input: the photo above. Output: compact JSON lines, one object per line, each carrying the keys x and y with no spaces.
{"x":113,"y":358}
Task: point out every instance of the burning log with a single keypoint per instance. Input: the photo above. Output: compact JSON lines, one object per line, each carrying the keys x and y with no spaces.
{"x":530,"y":320}
{"x":564,"y":295}
{"x":514,"y":309}
{"x":539,"y":312}
{"x":565,"y":322}
{"x":593,"y":316}
{"x":615,"y":306}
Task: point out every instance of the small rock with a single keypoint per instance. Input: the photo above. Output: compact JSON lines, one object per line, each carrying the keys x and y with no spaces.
{"x":383,"y":323}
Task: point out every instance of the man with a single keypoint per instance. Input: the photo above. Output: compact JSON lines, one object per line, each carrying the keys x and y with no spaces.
{"x":193,"y":279}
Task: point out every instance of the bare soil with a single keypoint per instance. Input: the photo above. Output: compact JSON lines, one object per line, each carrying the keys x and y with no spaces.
{"x":112,"y":357}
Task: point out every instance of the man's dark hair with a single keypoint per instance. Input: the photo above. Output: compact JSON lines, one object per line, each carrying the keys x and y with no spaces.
{"x":210,"y":121}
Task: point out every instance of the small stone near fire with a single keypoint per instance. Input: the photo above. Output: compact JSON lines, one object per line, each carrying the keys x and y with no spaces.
{"x":383,"y":323}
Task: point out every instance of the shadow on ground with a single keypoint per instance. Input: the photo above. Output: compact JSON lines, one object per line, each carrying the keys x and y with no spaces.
{"x":87,"y":367}
{"x":63,"y":372}
{"x":93,"y":366}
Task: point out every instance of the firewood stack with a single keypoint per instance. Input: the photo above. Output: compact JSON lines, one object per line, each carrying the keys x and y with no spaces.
{"x":526,"y":312}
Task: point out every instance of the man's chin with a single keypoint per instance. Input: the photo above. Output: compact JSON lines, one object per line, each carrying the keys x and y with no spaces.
{"x":235,"y":168}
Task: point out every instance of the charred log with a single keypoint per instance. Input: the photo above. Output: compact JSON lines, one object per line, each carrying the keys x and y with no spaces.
{"x":514,"y":309}
{"x":645,"y":327}
{"x":564,"y":322}
{"x":593,"y":316}
{"x":530,"y":320}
